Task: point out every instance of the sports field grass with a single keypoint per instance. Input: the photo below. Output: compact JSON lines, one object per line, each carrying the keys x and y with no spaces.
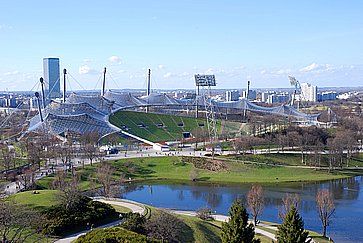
{"x":155,"y":127}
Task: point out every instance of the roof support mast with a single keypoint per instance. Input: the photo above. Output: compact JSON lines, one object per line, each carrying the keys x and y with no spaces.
{"x":148,"y":83}
{"x":64,"y":85}
{"x":104,"y":82}
{"x":148,"y":90}
{"x":39,"y":108}
{"x":43,"y":95}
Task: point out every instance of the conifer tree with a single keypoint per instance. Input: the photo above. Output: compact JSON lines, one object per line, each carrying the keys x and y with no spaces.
{"x":237,"y":229}
{"x":292,"y":229}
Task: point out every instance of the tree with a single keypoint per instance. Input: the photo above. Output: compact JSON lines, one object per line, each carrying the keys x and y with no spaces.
{"x":194,"y":174}
{"x":70,"y":196}
{"x":325,"y":207}
{"x":27,"y":178}
{"x":165,"y":227}
{"x":255,"y":201}
{"x":292,"y":229}
{"x":17,"y":223}
{"x":237,"y":229}
{"x":104,"y":176}
{"x":289,"y":200}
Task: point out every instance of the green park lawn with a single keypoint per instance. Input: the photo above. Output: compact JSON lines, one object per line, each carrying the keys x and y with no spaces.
{"x":42,"y":199}
{"x":173,"y":170}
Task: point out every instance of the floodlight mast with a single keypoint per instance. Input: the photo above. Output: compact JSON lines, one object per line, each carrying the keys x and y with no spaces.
{"x":207,"y":81}
{"x":294,"y":82}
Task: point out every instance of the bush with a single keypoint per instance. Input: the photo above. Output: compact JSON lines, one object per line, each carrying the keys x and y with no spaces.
{"x":165,"y":227}
{"x":112,"y":235}
{"x":61,"y":221}
{"x":204,"y":213}
{"x":134,"y":222}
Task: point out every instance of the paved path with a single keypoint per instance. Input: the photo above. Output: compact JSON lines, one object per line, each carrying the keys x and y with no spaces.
{"x":133,"y":206}
{"x":224,"y":218}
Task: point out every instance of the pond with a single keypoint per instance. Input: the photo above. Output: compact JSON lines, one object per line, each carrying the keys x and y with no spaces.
{"x":346,"y":225}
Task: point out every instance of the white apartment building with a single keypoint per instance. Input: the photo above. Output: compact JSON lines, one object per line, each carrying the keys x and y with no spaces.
{"x":309,"y":92}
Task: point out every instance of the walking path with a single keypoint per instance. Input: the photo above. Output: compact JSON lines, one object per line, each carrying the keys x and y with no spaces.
{"x":133,"y":206}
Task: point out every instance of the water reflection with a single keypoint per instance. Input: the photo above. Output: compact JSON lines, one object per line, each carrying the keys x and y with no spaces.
{"x":347,"y":194}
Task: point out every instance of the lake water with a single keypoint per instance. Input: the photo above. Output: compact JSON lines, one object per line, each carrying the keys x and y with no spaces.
{"x":346,"y":225}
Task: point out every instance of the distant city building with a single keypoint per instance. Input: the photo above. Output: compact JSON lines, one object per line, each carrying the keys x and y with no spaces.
{"x":328,"y":95}
{"x":232,"y":95}
{"x":278,"y":98}
{"x":51,"y":77}
{"x":264,"y":96}
{"x":252,"y":94}
{"x":309,"y":92}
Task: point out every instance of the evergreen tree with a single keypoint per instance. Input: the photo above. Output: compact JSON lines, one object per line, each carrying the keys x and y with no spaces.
{"x":292,"y":229}
{"x":237,"y":229}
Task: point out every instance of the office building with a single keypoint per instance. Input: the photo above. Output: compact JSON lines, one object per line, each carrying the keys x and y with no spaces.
{"x":51,"y":77}
{"x":252,"y":94}
{"x":232,"y":95}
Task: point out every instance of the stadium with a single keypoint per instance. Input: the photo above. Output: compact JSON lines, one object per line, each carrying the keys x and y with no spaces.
{"x":152,"y":118}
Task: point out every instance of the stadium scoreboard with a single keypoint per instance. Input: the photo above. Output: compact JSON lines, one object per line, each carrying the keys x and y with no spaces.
{"x":205,"y":80}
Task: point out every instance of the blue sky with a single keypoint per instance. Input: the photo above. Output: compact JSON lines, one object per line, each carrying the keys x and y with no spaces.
{"x":318,"y":41}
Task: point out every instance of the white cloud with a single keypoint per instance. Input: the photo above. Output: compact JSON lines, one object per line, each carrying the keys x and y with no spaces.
{"x":263,"y":72}
{"x":121,"y":71}
{"x":85,"y":69}
{"x":311,"y":67}
{"x":115,"y":59}
{"x":161,"y":66}
{"x":87,"y":60}
{"x":11,"y":73}
{"x":168,"y":75}
{"x":5,"y":27}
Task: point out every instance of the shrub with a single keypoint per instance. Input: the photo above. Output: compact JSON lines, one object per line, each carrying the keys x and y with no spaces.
{"x":165,"y":227}
{"x":112,"y":235}
{"x":134,"y":222}
{"x":60,"y":221}
{"x":204,"y":213}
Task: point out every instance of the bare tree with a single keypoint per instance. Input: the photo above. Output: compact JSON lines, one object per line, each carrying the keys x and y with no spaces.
{"x":17,"y":223}
{"x":27,"y":178}
{"x":70,"y":195}
{"x":289,"y":200}
{"x":104,"y":176}
{"x":325,"y":207}
{"x":255,"y":201}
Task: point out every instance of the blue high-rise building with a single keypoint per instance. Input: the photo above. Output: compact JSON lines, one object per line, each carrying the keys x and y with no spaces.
{"x":51,"y":77}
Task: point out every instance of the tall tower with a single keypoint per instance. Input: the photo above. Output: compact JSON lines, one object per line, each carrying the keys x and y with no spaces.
{"x":51,"y":77}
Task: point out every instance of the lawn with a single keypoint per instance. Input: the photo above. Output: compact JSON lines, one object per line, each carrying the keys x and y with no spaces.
{"x":42,"y":199}
{"x":172,"y":169}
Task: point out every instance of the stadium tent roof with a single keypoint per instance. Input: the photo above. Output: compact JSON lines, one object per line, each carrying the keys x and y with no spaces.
{"x":96,"y":101}
{"x":75,"y":123}
{"x":89,"y":113}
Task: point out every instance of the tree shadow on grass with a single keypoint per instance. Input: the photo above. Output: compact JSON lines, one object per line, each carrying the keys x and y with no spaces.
{"x":209,"y":235}
{"x":187,"y":235}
